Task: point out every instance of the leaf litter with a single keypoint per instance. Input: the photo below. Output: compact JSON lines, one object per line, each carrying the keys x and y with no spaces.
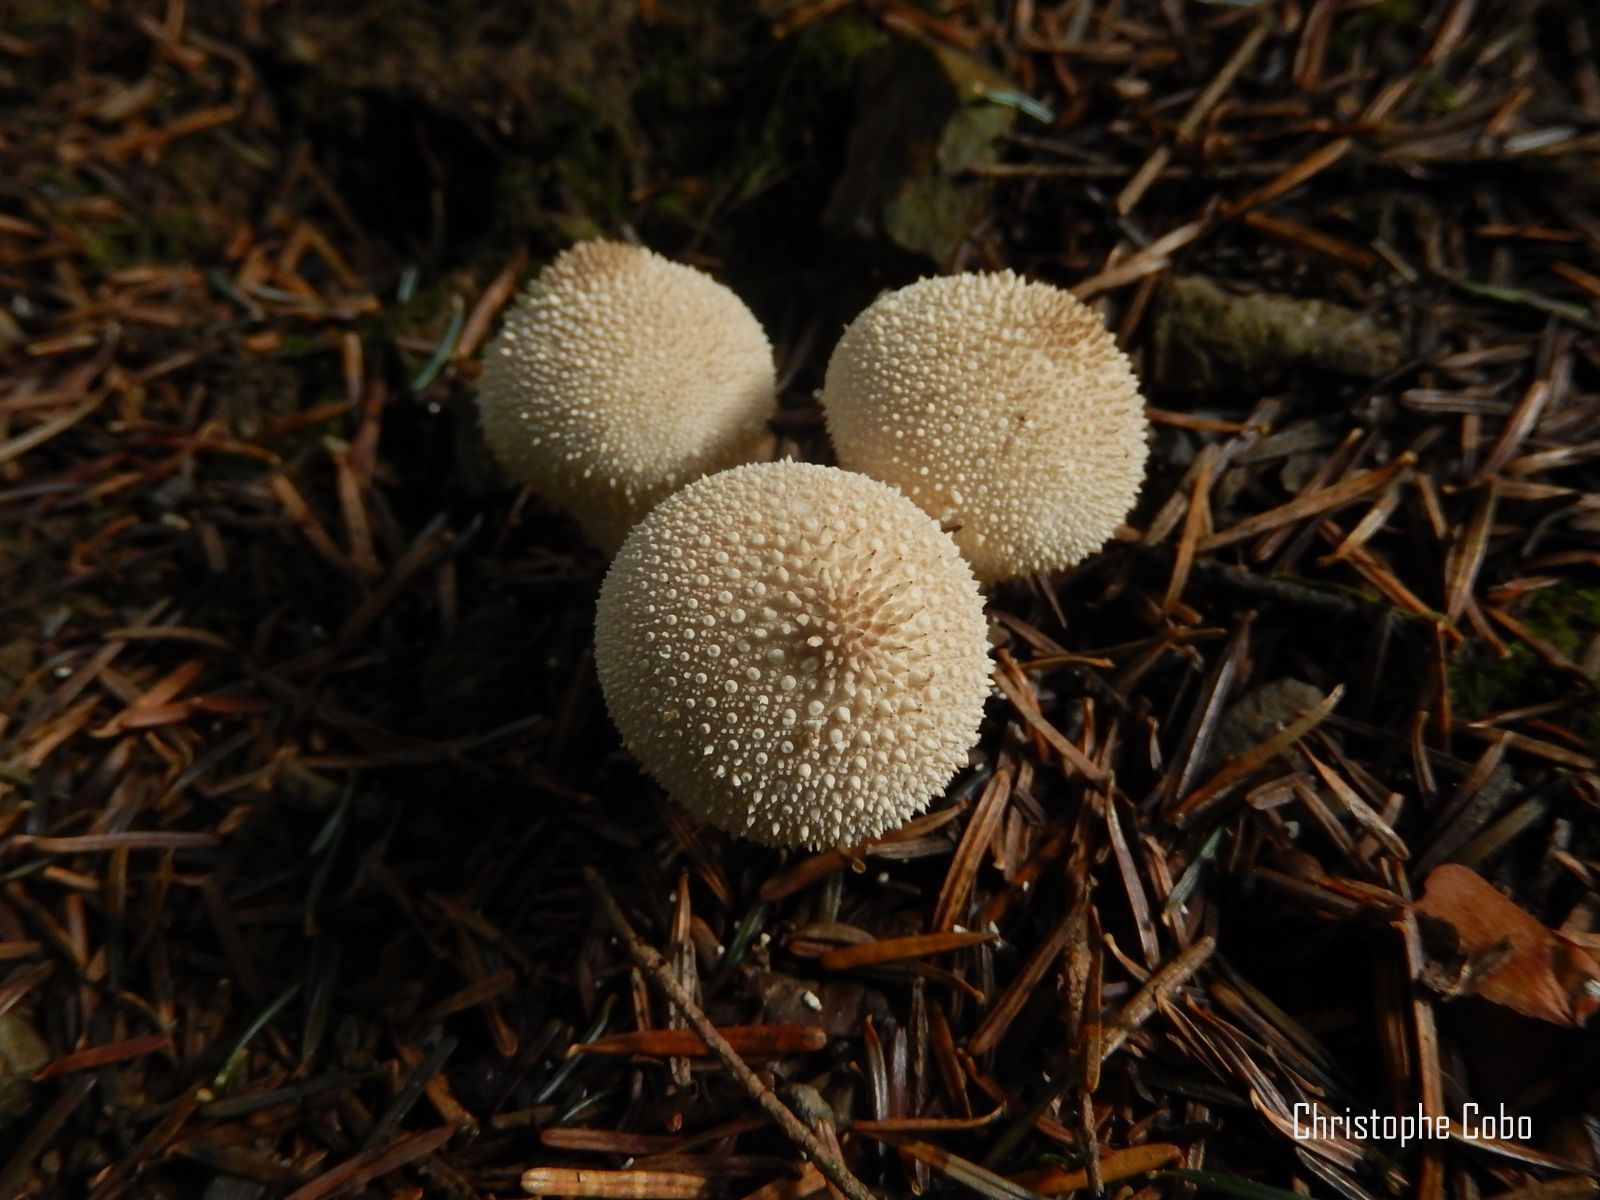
{"x":301,"y":755}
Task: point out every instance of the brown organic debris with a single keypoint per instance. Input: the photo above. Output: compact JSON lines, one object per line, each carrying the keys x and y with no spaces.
{"x":1505,"y":955}
{"x":302,"y":755}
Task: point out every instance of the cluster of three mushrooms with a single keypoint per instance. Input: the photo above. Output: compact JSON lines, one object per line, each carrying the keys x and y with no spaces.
{"x":796,"y":652}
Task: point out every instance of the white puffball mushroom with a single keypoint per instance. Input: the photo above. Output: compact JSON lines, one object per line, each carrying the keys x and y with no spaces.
{"x":617,"y":377}
{"x":1002,"y":407}
{"x":795,"y":652}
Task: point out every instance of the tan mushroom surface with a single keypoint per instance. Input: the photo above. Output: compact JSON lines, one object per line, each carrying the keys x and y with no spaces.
{"x":1002,"y":407}
{"x":617,"y":377}
{"x":795,"y":652}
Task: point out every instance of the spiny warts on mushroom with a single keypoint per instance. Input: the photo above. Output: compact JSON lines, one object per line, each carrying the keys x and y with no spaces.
{"x":617,"y":377}
{"x":795,"y":652}
{"x":1001,"y":407}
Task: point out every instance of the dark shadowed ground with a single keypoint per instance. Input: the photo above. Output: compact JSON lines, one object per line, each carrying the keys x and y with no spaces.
{"x":1289,"y":798}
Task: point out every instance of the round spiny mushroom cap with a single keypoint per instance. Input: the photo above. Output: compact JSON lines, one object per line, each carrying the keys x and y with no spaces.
{"x":1001,"y":407}
{"x":795,"y":652}
{"x":618,"y":377}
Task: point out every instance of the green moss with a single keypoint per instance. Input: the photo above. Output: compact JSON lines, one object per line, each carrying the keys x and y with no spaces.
{"x":1370,"y":22}
{"x":1566,"y":616}
{"x":1441,"y":96}
{"x":1374,"y":19}
{"x":301,"y":345}
{"x":424,"y":310}
{"x":1396,"y":12}
{"x":1481,"y":682}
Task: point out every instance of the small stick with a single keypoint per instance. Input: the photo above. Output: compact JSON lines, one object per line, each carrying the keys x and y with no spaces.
{"x":1159,"y":986}
{"x":653,"y":965}
{"x":1152,"y":167}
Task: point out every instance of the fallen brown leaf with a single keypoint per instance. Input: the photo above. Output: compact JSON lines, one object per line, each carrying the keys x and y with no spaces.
{"x":1511,"y":959}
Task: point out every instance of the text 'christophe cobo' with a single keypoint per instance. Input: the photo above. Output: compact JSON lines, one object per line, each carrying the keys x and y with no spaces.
{"x":1473,"y":1125}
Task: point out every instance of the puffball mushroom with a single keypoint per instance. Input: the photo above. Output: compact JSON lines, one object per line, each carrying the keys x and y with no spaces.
{"x":795,"y":652}
{"x":1002,"y":407}
{"x":617,"y":377}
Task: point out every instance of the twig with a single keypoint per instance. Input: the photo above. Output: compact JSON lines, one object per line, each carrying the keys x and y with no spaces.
{"x":648,"y":960}
{"x":1198,"y":111}
{"x":1162,"y":984}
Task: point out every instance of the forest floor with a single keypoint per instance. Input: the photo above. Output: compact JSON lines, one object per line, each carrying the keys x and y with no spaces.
{"x":1288,"y":801}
